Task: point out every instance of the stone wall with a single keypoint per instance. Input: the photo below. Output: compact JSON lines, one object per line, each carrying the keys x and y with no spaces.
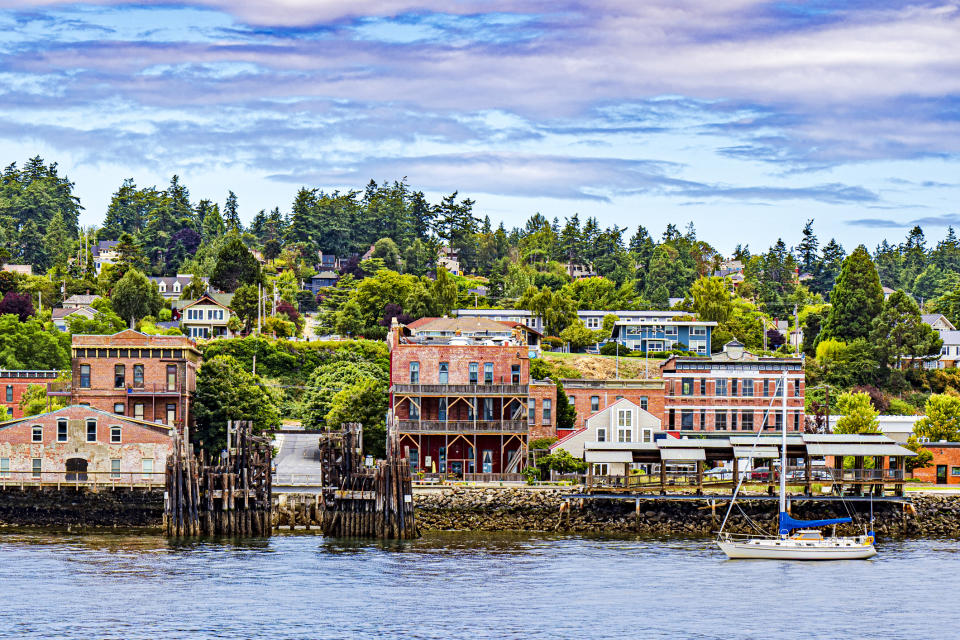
{"x":83,"y":507}
{"x":526,"y":510}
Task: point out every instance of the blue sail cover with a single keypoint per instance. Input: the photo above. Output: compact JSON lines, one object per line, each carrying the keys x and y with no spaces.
{"x":788,"y":524}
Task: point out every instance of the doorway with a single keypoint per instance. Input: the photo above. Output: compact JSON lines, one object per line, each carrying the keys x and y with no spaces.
{"x":76,"y":470}
{"x":941,"y":474}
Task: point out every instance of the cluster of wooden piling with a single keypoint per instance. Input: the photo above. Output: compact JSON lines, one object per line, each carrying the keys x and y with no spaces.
{"x":361,"y":502}
{"x":232,"y":498}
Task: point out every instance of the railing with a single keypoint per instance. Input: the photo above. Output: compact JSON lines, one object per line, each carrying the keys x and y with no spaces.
{"x":462,"y":389}
{"x":298,"y":479}
{"x":58,"y":388}
{"x":644,"y":481}
{"x":463,"y":426}
{"x":156,"y":388}
{"x":82,"y":478}
{"x":440,"y":478}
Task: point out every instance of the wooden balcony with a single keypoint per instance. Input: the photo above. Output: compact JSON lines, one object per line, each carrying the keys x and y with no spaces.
{"x":446,"y":390}
{"x":462,"y":426}
{"x":154,"y":389}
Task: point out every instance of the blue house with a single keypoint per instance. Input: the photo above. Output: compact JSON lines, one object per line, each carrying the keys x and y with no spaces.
{"x":663,"y":335}
{"x":321,"y":280}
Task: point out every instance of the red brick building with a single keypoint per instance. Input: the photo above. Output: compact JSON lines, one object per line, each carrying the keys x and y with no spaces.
{"x":461,"y":397}
{"x":144,"y":377}
{"x":591,"y":396}
{"x":734,"y":390}
{"x":83,"y":444}
{"x":945,"y":466}
{"x":12,"y":385}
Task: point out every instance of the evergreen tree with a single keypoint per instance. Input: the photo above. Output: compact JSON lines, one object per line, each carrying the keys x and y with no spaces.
{"x":235,"y":266}
{"x":899,"y":332}
{"x":58,"y":242}
{"x":212,"y":226}
{"x":807,"y":257}
{"x":231,"y":213}
{"x":178,"y":201}
{"x":123,"y":214}
{"x":828,"y":268}
{"x":856,"y":299}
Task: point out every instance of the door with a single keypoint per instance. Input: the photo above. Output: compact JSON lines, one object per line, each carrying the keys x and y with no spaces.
{"x":76,"y":470}
{"x":941,"y":474}
{"x":487,"y":461}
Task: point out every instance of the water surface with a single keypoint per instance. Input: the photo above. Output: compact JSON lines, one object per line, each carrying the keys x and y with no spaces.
{"x":464,"y":586}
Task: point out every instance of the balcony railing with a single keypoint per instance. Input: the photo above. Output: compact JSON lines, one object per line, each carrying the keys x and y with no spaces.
{"x":462,"y":426}
{"x":461,"y":389}
{"x":82,"y":478}
{"x":66,"y":388}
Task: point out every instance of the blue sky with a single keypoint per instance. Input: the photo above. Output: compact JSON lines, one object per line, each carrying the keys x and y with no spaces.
{"x":744,"y":117}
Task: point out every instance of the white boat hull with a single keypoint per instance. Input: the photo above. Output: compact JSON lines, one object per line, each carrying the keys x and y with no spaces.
{"x":772,"y":549}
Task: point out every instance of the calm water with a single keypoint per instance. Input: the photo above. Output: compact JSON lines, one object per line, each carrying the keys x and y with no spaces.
{"x":464,"y":586}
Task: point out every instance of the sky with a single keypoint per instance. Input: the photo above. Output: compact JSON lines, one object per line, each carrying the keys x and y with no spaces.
{"x":746,"y":118}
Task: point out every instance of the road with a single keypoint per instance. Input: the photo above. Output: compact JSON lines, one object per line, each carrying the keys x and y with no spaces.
{"x":298,"y":459}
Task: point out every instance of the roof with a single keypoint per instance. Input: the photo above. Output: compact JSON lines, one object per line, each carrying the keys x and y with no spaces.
{"x":60,"y":312}
{"x":837,"y":444}
{"x":88,"y":408}
{"x":219,"y":299}
{"x":80,"y":298}
{"x":131,"y":338}
{"x":104,"y":245}
{"x":607,"y":456}
{"x":462,"y":325}
{"x":685,"y":455}
{"x":23,"y":269}
{"x":950,"y":337}
{"x":521,"y":326}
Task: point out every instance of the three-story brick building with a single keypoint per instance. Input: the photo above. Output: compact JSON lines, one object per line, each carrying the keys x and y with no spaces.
{"x":145,"y":377}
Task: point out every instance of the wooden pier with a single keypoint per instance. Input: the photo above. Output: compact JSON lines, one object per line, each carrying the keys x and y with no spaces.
{"x":232,"y":498}
{"x":361,"y":502}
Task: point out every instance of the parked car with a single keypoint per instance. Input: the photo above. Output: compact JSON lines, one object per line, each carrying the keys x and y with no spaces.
{"x":719,"y":473}
{"x":763,"y":474}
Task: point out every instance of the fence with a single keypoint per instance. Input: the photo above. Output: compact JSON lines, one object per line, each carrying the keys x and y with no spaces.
{"x":93,"y":479}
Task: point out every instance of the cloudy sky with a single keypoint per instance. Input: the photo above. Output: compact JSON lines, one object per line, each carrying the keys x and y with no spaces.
{"x":744,"y":117}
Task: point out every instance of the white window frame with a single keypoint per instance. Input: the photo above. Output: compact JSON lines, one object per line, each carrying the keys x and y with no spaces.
{"x":147,"y":475}
{"x":601,"y":434}
{"x":115,"y":467}
{"x":35,"y":431}
{"x":119,"y":434}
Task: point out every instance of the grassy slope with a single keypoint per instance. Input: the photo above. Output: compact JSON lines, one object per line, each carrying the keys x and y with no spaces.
{"x":600,"y":367}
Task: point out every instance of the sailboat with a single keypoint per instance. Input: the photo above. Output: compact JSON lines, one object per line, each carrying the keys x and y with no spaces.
{"x":795,"y":539}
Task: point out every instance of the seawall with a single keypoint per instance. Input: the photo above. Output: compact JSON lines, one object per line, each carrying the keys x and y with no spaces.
{"x":81,"y":507}
{"x":524,"y":510}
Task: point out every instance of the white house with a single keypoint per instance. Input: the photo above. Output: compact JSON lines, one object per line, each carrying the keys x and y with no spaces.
{"x":61,"y":316}
{"x":207,"y":317}
{"x":172,"y":286}
{"x":950,"y":351}
{"x":610,"y":436}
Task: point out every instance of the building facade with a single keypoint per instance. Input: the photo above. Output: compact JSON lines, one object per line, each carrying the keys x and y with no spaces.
{"x":732,"y":391}
{"x":171,"y":287}
{"x":655,"y":335}
{"x":83,"y":444}
{"x":149,"y":378}
{"x":13,"y":383}
{"x":206,"y":317}
{"x":944,"y":468}
{"x":461,"y":398}
{"x":590,"y":396}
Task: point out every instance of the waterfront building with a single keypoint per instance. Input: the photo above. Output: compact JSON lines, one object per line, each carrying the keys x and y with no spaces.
{"x":207,"y":316}
{"x":663,"y":334}
{"x":609,"y":437}
{"x":171,"y":287}
{"x":83,"y":444}
{"x":944,"y":468}
{"x":149,"y":378}
{"x":734,"y":390}
{"x":13,"y":383}
{"x":461,"y":397}
{"x":590,"y":396}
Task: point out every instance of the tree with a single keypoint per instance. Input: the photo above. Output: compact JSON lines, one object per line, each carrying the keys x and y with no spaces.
{"x":566,"y":411}
{"x":194,"y":289}
{"x":578,"y":335}
{"x":244,"y":304}
{"x":225,"y":391}
{"x":135,"y":297}
{"x":231,"y":213}
{"x":443,"y":292}
{"x":30,"y":345}
{"x":366,"y":403}
{"x":711,"y":299}
{"x":348,"y":320}
{"x":942,"y":420}
{"x":859,"y":415}
{"x":235,"y":266}
{"x":807,"y":256}
{"x":211,"y":221}
{"x":386,"y":249}
{"x":18,"y":304}
{"x":35,"y":400}
{"x":856,"y":299}
{"x":899,"y":331}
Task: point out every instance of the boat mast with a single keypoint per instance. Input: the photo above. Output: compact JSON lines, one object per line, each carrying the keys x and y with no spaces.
{"x":783,"y":446}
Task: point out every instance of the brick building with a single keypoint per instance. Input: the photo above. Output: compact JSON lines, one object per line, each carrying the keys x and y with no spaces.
{"x":461,"y":397}
{"x":12,"y":385}
{"x":591,"y":396}
{"x":732,"y":391}
{"x":128,"y":373}
{"x":944,"y":467}
{"x":83,"y":444}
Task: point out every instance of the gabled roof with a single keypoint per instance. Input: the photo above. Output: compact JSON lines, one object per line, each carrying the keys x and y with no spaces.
{"x":932,"y":318}
{"x":60,"y":312}
{"x":81,"y":298}
{"x":950,"y":337}
{"x":218,"y":299}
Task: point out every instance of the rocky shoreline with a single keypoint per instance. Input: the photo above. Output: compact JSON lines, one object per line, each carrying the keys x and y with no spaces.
{"x":471,"y":509}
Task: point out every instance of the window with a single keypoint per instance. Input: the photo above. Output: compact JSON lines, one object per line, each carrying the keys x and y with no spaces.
{"x":442,"y":409}
{"x":796,"y":421}
{"x":721,"y":386}
{"x":474,"y":367}
{"x":414,"y":411}
{"x":766,"y":388}
{"x":488,"y":408}
{"x":954,"y":471}
{"x":115,"y":435}
{"x":703,"y":418}
{"x":444,"y":375}
{"x":85,"y":376}
{"x":720,"y":421}
{"x":115,"y":468}
{"x":671,"y":418}
{"x":600,"y":469}
{"x":686,"y":419}
{"x":624,"y":425}
{"x":171,"y":377}
{"x":9,"y":393}
{"x":547,"y":410}
{"x":37,"y":467}
{"x":643,"y":402}
{"x":698,"y":331}
{"x":4,"y":467}
{"x":171,"y":414}
{"x":91,"y":430}
{"x":698,"y":346}
{"x":733,"y":420}
{"x":703,"y":386}
{"x":778,"y":388}
{"x":37,"y":435}
{"x":119,"y":376}
{"x":796,"y":388}
{"x":515,"y":374}
{"x":138,"y":411}
{"x":746,"y":421}
{"x":648,"y":435}
{"x":138,"y":376}
{"x":686,"y":387}
{"x":119,"y":408}
{"x":487,"y":373}
{"x":61,"y":430}
{"x":146,"y":467}
{"x":414,"y":373}
{"x":778,"y":420}
{"x":748,"y":388}
{"x":532,"y":411}
{"x":601,"y":435}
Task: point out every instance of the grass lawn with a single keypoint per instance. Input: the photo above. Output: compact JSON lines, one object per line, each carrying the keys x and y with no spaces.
{"x":596,"y":367}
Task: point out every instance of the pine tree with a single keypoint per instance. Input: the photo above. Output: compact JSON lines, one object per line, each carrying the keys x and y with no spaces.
{"x":856,"y":299}
{"x":123,"y":215}
{"x":828,"y":268}
{"x":807,"y":250}
{"x":231,"y":213}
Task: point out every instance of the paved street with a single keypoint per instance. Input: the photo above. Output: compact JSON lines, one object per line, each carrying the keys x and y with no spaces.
{"x":298,"y":459}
